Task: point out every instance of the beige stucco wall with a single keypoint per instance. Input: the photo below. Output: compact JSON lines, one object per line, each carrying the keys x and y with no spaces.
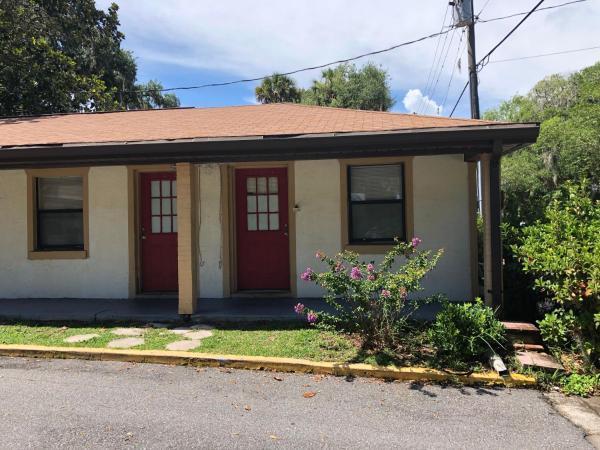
{"x":104,"y":274}
{"x":440,"y":189}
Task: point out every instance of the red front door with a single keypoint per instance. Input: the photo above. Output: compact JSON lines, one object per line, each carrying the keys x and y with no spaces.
{"x":158,"y":220}
{"x":263,"y":254}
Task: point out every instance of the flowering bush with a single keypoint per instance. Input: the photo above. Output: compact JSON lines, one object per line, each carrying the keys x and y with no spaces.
{"x":371,"y":300}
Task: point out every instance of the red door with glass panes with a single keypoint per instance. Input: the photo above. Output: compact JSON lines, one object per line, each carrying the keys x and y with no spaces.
{"x":158,"y":234}
{"x":263,"y":254}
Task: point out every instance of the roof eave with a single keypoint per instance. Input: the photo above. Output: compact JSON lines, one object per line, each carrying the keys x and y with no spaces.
{"x":467,"y":140}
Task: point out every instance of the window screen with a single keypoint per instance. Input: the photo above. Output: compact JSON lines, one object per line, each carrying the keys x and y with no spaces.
{"x":376,"y":203}
{"x":59,"y":213}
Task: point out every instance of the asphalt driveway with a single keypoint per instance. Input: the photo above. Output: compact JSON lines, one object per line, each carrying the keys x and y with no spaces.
{"x":66,"y":404}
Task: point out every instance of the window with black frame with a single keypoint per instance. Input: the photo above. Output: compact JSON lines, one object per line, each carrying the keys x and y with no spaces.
{"x":59,"y":207}
{"x":376,"y":211}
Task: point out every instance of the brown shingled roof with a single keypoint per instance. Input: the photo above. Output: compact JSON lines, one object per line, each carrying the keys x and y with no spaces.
{"x":225,"y":122}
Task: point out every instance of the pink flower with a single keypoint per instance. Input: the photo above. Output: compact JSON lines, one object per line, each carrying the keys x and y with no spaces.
{"x":308,"y":274}
{"x":311,"y":317}
{"x":299,"y":308}
{"x":339,"y":267}
{"x":370,"y":267}
{"x":355,"y":273}
{"x":371,"y":277}
{"x":415,"y":242}
{"x":403,"y":292}
{"x":385,"y":293}
{"x":320,"y":255}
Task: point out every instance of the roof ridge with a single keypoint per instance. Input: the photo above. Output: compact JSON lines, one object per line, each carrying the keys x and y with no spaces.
{"x":393,"y":113}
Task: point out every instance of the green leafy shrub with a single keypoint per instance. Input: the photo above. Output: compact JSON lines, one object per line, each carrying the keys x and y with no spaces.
{"x":556,"y":329}
{"x":371,"y":300}
{"x":563,"y":253}
{"x":582,"y":385}
{"x":465,"y":333}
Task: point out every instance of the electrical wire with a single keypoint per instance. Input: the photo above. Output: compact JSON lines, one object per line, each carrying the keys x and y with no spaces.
{"x":432,"y":94}
{"x":525,"y":12}
{"x":459,"y":51}
{"x":564,"y":52}
{"x":485,"y":60}
{"x":433,"y":62}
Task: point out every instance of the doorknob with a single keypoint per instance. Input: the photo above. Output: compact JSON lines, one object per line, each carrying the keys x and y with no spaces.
{"x":143,"y":234}
{"x":285,"y":229}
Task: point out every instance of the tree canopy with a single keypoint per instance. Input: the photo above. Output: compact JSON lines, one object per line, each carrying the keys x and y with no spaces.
{"x":277,"y":89}
{"x":344,"y":86}
{"x":66,"y":55}
{"x":568,"y":148}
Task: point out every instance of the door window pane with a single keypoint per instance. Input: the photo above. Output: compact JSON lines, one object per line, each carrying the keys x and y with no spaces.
{"x":273,"y":185}
{"x":156,"y":206}
{"x":174,"y":203}
{"x":252,"y":222}
{"x":251,"y":185}
{"x":263,"y":222}
{"x":155,"y":224}
{"x":273,"y":203}
{"x":166,"y":206}
{"x":261,"y":185}
{"x":166,"y":188}
{"x":262,"y":203}
{"x":174,"y":224}
{"x":251,"y":203}
{"x":274,"y":221}
{"x":166,"y":224}
{"x":174,"y":188}
{"x":155,"y":188}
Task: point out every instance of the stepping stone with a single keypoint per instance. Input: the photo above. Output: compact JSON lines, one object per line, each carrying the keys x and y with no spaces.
{"x":125,"y":342}
{"x":80,"y":338}
{"x":128,"y":331}
{"x":538,"y":360}
{"x":181,"y":330}
{"x":197,"y":335}
{"x":183,"y":345}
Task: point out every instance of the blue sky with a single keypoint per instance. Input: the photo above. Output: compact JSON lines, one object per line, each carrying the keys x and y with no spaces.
{"x":185,"y":42}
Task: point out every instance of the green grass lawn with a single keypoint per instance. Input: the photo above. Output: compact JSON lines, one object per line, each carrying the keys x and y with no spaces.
{"x":259,"y":339}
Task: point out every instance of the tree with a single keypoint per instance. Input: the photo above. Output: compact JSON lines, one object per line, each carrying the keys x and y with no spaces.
{"x":277,"y":89}
{"x":345,"y":86}
{"x":149,"y":96}
{"x":63,"y":56}
{"x":568,"y":147}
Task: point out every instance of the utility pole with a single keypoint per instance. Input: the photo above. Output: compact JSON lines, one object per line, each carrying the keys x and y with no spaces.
{"x":474,"y":91}
{"x":464,"y":16}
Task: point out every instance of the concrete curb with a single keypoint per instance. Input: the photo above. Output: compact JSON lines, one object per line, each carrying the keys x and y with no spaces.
{"x":261,"y":363}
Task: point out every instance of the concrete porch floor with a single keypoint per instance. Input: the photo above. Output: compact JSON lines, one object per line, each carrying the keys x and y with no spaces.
{"x":163,"y":309}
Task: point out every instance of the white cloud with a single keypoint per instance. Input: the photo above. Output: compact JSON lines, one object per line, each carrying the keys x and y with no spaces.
{"x":247,"y":39}
{"x":415,"y":102}
{"x":250,"y":100}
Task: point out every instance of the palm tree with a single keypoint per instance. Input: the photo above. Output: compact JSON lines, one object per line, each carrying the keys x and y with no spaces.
{"x":277,"y":89}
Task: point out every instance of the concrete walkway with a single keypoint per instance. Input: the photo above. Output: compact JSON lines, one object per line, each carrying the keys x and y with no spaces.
{"x":162,"y":309}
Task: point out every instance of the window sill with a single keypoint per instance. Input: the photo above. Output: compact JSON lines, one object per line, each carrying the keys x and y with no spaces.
{"x":57,"y":254}
{"x":369,"y":249}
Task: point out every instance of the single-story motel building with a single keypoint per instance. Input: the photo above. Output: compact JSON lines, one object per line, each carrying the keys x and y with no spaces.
{"x":220,"y":202}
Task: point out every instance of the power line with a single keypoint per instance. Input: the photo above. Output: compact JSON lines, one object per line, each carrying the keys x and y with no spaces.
{"x":459,"y":51}
{"x":433,"y":62}
{"x":442,"y":67}
{"x":484,"y":61}
{"x":525,"y":12}
{"x":564,"y":52}
{"x":305,"y":69}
